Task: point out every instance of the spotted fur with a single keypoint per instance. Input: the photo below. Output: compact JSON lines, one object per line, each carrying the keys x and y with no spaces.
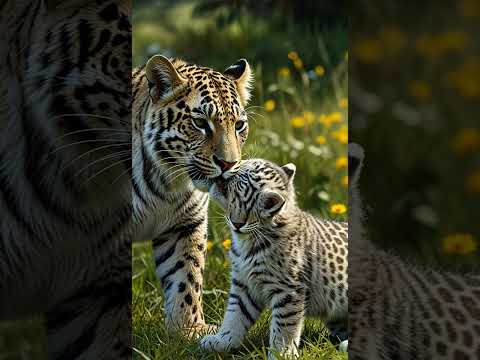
{"x":282,"y":258}
{"x":401,"y":311}
{"x":189,"y":126}
{"x":65,"y":142}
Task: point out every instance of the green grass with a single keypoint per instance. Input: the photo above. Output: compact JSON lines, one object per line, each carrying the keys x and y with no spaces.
{"x":152,"y":341}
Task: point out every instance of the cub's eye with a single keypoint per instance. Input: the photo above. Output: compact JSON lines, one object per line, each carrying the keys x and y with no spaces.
{"x":240,"y":125}
{"x":201,"y":123}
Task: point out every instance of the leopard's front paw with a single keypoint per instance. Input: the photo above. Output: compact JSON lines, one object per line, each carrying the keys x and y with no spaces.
{"x":199,"y":330}
{"x":218,"y":342}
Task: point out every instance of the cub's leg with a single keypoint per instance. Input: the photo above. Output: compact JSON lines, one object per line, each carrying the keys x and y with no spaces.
{"x":242,"y":312}
{"x":288,"y":313}
{"x":179,"y":261}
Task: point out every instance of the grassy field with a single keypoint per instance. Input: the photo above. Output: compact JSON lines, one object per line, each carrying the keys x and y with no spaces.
{"x":298,"y":114}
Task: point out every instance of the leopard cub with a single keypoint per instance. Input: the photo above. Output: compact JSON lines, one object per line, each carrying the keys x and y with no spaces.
{"x":282,"y":258}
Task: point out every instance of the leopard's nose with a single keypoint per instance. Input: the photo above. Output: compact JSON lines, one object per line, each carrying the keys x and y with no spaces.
{"x":237,"y":226}
{"x":222,"y":164}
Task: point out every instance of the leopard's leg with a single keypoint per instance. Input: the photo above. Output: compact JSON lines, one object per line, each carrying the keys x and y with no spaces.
{"x":180,"y":261}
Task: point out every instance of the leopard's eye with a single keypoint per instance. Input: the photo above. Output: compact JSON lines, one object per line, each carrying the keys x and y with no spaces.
{"x":240,"y":125}
{"x":201,"y":123}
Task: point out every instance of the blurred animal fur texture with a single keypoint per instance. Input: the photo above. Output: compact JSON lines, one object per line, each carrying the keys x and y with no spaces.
{"x":189,"y":125}
{"x":65,"y":193}
{"x":401,"y":311}
{"x":282,"y":258}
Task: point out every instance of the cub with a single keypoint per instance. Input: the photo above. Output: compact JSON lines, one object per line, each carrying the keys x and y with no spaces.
{"x":282,"y":258}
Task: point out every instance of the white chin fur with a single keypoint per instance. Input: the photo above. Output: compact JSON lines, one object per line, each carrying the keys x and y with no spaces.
{"x":202,"y":185}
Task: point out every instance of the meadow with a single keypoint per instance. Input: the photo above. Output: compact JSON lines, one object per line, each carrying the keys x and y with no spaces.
{"x":299,"y":114}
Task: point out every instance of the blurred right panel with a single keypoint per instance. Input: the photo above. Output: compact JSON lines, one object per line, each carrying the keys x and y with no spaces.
{"x":414,"y":187}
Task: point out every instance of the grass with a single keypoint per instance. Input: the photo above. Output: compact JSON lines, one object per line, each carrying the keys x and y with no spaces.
{"x":152,"y":341}
{"x":298,"y":114}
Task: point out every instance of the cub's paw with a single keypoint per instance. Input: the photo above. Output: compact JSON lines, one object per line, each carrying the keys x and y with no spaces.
{"x":289,"y":354}
{"x":216,"y":343}
{"x":343,"y":346}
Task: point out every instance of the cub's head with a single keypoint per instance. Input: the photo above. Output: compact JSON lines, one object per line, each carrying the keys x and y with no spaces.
{"x":197,"y":117}
{"x":259,"y":194}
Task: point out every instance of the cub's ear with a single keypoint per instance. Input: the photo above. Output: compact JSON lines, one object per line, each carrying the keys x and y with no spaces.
{"x":290,"y":170}
{"x":271,"y":203}
{"x":355,"y":162}
{"x":242,"y":74}
{"x":163,"y":78}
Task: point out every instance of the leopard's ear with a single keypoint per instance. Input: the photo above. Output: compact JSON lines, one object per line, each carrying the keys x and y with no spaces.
{"x":290,"y":170}
{"x":163,"y":78}
{"x":242,"y":74}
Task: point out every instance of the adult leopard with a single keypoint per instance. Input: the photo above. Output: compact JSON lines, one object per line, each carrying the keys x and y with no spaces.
{"x":189,"y":125}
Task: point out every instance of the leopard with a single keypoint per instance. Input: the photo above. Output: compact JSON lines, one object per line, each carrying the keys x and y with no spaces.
{"x":401,"y":310}
{"x":189,"y":126}
{"x":65,"y":193}
{"x":282,"y":258}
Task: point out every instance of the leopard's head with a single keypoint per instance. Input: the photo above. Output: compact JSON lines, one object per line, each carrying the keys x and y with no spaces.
{"x":197,"y":121}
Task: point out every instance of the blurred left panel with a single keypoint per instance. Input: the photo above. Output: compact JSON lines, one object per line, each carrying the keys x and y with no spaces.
{"x":65,"y":189}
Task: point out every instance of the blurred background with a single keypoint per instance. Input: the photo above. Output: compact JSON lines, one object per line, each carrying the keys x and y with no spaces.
{"x":415,"y":91}
{"x":298,"y":51}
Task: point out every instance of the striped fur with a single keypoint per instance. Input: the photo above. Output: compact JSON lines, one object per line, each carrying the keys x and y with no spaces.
{"x":184,"y":116}
{"x":401,"y":311}
{"x":282,"y":258}
{"x":64,"y":144}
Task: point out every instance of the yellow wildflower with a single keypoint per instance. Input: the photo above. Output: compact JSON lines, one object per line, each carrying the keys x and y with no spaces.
{"x":292,"y":55}
{"x":338,"y":209}
{"x":341,"y":162}
{"x":320,"y":139}
{"x":472,"y":182}
{"x":420,"y":89}
{"x":459,"y":243}
{"x":297,"y":122}
{"x":319,"y":70}
{"x":453,"y":40}
{"x":269,"y":105}
{"x":466,"y":140}
{"x":298,"y":63}
{"x":308,"y":116}
{"x":284,"y":72}
{"x":343,"y":103}
{"x":325,"y":120}
{"x":341,"y":136}
{"x":227,"y":244}
{"x":344,"y":180}
{"x":209,"y":245}
{"x":335,"y":116}
{"x":465,"y":79}
{"x":369,"y":51}
{"x":394,"y":39}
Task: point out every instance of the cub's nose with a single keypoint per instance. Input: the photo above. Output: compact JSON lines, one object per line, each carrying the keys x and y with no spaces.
{"x":222,"y":164}
{"x":238,"y":226}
